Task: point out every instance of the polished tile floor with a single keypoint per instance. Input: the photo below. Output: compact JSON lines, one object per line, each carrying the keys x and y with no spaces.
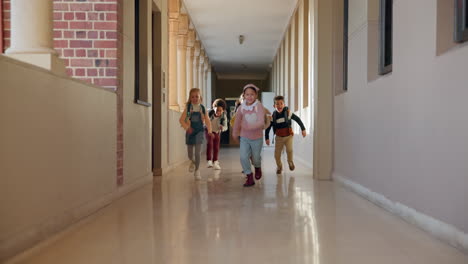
{"x":285,"y":219}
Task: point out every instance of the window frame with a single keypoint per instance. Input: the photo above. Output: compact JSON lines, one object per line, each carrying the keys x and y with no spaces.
{"x":461,"y":21}
{"x":345,"y":43}
{"x":383,"y":48}
{"x":138,"y":84}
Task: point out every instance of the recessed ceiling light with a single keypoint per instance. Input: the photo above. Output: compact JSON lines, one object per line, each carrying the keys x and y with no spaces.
{"x":241,"y":39}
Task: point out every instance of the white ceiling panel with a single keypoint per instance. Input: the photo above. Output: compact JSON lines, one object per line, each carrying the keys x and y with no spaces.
{"x":220,"y":22}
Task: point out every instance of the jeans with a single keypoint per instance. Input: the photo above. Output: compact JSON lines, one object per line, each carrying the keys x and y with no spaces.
{"x":250,"y":148}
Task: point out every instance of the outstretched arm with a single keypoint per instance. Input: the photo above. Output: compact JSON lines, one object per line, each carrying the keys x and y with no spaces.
{"x":299,"y":122}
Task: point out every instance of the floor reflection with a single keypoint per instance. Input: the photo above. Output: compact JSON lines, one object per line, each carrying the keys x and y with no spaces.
{"x":282,"y":219}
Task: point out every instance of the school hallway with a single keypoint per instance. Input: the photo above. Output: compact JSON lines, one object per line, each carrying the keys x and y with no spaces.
{"x":97,"y":98}
{"x":282,"y":219}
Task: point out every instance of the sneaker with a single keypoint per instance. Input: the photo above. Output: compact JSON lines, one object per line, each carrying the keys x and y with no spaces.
{"x":197,"y":175}
{"x":249,"y":181}
{"x":216,"y":165}
{"x":291,"y":165}
{"x":209,"y":164}
{"x":278,"y":171}
{"x":191,"y":166}
{"x":258,"y":173}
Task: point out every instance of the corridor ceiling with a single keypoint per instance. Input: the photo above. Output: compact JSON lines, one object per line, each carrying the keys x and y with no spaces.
{"x":220,"y":22}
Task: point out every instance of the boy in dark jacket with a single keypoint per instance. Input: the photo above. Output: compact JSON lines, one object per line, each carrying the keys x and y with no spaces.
{"x":281,"y":123}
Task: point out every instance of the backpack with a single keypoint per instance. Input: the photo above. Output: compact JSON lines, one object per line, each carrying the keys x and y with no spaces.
{"x":286,"y":114}
{"x":286,"y":131}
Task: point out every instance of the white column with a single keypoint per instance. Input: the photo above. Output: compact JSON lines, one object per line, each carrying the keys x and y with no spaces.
{"x":182,"y":59}
{"x":209,"y":94}
{"x":323,"y":54}
{"x":205,"y":74}
{"x":189,"y":61}
{"x":181,"y":69}
{"x":32,"y":34}
{"x":173,"y":92}
{"x":201,"y":68}
{"x":196,"y":58}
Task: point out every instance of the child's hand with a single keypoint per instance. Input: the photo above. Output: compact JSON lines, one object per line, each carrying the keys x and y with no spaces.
{"x":268,"y":142}
{"x":304,"y":134}
{"x":235,"y":140}
{"x":220,"y":128}
{"x":190,"y":130}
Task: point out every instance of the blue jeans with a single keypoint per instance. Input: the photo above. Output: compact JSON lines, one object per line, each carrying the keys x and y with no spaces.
{"x":248,"y":148}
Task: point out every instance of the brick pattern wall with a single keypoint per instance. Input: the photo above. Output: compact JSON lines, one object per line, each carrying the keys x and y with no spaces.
{"x":6,"y":24}
{"x":85,"y":35}
{"x":88,"y":36}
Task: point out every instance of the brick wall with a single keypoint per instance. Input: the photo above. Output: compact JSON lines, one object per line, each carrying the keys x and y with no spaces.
{"x":85,"y":35}
{"x":88,"y":36}
{"x":6,"y":24}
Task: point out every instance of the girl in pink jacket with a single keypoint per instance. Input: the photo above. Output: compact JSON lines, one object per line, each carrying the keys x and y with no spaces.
{"x":249,"y":125}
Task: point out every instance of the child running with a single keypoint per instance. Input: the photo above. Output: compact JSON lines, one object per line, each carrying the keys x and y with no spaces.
{"x":249,"y":125}
{"x":193,"y":120}
{"x":218,"y":125}
{"x":281,"y":123}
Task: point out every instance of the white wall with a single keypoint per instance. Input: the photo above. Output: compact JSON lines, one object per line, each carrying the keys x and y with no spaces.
{"x":405,"y":134}
{"x":57,"y":153}
{"x":137,"y":118}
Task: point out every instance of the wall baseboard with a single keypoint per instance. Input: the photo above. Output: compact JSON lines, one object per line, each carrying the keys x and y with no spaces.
{"x":127,"y":188}
{"x":441,"y":230}
{"x":36,"y":238}
{"x":306,"y":164}
{"x":173,"y":166}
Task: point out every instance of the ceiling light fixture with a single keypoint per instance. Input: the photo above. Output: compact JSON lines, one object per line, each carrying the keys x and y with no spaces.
{"x":241,"y":39}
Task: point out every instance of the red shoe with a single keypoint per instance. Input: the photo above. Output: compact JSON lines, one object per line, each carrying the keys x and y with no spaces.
{"x":250,"y":181}
{"x":258,"y":173}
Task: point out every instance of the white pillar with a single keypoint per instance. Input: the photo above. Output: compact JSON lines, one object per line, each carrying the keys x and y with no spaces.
{"x":201,"y":68}
{"x":196,"y":58}
{"x":209,"y":94}
{"x":323,"y":54}
{"x":32,"y":34}
{"x":182,"y":59}
{"x":181,"y":69}
{"x":205,"y":73}
{"x":173,"y":91}
{"x":189,"y":60}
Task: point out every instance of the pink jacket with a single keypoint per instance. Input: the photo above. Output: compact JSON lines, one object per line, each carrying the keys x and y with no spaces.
{"x":250,"y":121}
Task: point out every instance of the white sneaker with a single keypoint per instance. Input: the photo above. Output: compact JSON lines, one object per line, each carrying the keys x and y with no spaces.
{"x":210,"y":164}
{"x":197,"y":175}
{"x":191,"y":166}
{"x":216,"y":165}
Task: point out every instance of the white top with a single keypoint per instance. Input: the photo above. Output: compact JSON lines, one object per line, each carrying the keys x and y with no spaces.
{"x":216,"y":123}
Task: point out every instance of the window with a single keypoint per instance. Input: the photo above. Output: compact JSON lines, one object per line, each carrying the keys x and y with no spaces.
{"x":385,"y":26}
{"x":141,"y":58}
{"x":461,"y":20}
